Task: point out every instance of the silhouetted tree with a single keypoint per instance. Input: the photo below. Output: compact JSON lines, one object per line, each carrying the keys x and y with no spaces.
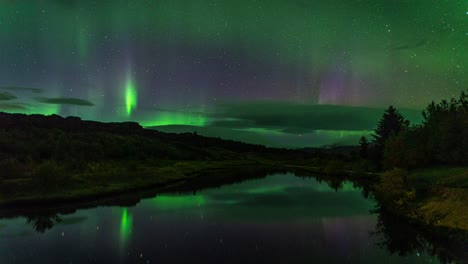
{"x":446,"y":127}
{"x":441,"y":139}
{"x":363,"y":147}
{"x":399,"y":236}
{"x":391,"y":123}
{"x":42,"y":223}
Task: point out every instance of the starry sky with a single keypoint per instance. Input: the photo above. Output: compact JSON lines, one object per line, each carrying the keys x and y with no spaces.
{"x":276,"y":72}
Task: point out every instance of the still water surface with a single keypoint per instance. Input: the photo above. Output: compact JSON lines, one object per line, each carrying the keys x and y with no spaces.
{"x":279,"y":219}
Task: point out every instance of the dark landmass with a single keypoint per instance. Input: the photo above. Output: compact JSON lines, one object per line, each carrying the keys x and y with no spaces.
{"x":334,"y":150}
{"x":426,"y":165}
{"x":221,"y":132}
{"x":50,"y":158}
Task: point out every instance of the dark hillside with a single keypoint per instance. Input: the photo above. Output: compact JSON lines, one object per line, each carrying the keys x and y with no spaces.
{"x":38,"y":137}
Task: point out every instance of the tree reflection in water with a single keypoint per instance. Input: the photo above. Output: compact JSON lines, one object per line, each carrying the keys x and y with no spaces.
{"x":42,"y":223}
{"x":394,"y":234}
{"x":399,"y":236}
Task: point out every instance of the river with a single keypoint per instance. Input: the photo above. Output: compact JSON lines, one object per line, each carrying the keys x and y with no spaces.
{"x":281,"y":218}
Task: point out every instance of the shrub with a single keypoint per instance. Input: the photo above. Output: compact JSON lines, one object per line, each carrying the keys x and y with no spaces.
{"x":360,"y":167}
{"x":10,"y":169}
{"x":334,"y":167}
{"x":49,"y":175}
{"x":393,"y":191}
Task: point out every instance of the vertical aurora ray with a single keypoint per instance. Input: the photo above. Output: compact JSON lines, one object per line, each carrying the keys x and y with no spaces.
{"x":130,"y":96}
{"x":133,"y":59}
{"x":82,"y":42}
{"x":126,"y":222}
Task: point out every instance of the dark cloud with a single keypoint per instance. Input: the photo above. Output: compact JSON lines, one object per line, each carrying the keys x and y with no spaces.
{"x":66,"y":3}
{"x":12,"y":107}
{"x":299,"y":118}
{"x":73,"y":220}
{"x":411,"y":46}
{"x":153,"y":109}
{"x":5,"y":96}
{"x":295,"y":130}
{"x":303,"y":3}
{"x":21,"y":89}
{"x":271,"y":138}
{"x":232,"y":123}
{"x":65,"y":101}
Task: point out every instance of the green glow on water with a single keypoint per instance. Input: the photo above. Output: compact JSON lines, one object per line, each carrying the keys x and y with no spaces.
{"x":125,"y":225}
{"x":267,"y":189}
{"x":179,"y":201}
{"x":317,"y":187}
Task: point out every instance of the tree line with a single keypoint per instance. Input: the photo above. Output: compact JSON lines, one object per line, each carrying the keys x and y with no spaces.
{"x":440,"y":140}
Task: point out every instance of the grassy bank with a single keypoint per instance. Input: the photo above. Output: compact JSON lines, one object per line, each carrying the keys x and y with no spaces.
{"x":443,"y":196}
{"x":433,"y":196}
{"x":110,"y":178}
{"x":51,"y":182}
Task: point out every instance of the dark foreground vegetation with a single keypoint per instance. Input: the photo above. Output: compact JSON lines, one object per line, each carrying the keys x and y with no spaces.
{"x":425,"y":166}
{"x":50,"y":157}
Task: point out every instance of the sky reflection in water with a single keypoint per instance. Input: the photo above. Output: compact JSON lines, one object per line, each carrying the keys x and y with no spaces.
{"x":281,"y":218}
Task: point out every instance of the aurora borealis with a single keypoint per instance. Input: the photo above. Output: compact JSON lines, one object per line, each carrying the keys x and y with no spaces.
{"x":291,"y":71}
{"x":130,"y":96}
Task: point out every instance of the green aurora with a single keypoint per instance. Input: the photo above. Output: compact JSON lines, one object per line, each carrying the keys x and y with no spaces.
{"x":126,"y":224}
{"x":130,"y":96}
{"x":169,"y":62}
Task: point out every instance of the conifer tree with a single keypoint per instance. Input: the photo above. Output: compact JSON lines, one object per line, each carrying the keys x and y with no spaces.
{"x":363,"y":147}
{"x":391,"y":123}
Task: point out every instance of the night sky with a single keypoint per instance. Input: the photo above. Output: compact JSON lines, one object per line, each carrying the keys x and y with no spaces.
{"x":276,"y":72}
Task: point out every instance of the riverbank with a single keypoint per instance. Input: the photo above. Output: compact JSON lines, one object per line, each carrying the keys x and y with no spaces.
{"x":443,"y":196}
{"x":45,"y":159}
{"x":112,"y":179}
{"x":54,"y":185}
{"x":434,"y":196}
